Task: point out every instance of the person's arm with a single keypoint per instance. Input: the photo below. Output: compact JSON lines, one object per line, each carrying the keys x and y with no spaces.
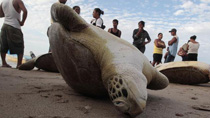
{"x":109,"y":30}
{"x":138,"y":33}
{"x":148,"y":39}
{"x":25,"y":12}
{"x":1,"y":11}
{"x":188,"y":45}
{"x":164,"y":45}
{"x":135,"y":36}
{"x":119,"y":34}
{"x":159,"y":45}
{"x":172,"y":41}
{"x":99,"y":22}
{"x":156,"y":43}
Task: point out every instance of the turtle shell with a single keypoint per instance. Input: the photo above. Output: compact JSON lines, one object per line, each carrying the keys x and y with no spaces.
{"x":187,"y":72}
{"x":76,"y":63}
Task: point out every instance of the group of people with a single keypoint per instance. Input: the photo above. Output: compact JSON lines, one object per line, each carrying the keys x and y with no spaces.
{"x":188,"y":52}
{"x":11,"y":37}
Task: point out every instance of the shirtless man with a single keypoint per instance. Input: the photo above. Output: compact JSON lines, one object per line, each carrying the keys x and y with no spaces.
{"x":115,"y":31}
{"x":11,"y":34}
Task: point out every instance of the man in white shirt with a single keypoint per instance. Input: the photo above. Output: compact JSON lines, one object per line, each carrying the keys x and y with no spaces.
{"x":11,"y":34}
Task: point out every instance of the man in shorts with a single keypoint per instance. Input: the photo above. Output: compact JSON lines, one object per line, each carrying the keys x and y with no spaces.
{"x":11,"y":37}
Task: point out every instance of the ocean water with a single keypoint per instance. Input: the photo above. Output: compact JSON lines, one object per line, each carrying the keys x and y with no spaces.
{"x":11,"y":63}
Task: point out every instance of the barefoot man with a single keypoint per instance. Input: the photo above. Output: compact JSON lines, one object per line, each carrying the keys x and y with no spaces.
{"x":11,"y":35}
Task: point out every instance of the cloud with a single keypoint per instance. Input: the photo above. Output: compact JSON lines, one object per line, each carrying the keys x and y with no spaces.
{"x":205,"y":1}
{"x":187,"y":5}
{"x":179,"y":12}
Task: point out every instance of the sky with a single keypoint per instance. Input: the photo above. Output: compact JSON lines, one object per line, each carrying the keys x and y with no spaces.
{"x":189,"y":17}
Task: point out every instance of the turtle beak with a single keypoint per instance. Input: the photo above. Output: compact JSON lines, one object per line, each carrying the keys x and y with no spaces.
{"x":132,"y":109}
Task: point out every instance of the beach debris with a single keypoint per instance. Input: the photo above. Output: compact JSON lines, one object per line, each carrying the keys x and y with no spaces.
{"x":202,"y":107}
{"x":45,"y":96}
{"x":85,"y":109}
{"x":179,"y":115}
{"x":59,"y":96}
{"x":63,"y":101}
{"x":32,"y":55}
{"x":194,"y":98}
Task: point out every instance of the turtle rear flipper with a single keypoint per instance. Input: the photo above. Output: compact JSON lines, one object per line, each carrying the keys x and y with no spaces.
{"x":46,"y":63}
{"x":28,"y":65}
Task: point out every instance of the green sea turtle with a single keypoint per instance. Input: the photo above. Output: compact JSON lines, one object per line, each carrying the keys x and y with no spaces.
{"x":186,"y":72}
{"x":95,"y":62}
{"x":44,"y":62}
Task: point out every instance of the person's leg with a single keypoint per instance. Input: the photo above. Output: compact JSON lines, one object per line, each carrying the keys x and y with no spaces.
{"x":4,"y":46}
{"x":3,"y":59}
{"x":170,"y":58}
{"x":159,"y":58}
{"x":153,"y":63}
{"x":167,"y":58}
{"x":20,"y":58}
{"x":189,"y":57}
{"x":16,"y":44}
{"x":184,"y":58}
{"x":196,"y":57}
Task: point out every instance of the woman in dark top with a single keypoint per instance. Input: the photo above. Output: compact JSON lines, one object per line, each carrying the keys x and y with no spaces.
{"x":114,"y":30}
{"x":98,"y":21}
{"x":139,"y":36}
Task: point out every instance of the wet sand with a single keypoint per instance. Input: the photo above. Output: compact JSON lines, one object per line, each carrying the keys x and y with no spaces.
{"x":37,"y":94}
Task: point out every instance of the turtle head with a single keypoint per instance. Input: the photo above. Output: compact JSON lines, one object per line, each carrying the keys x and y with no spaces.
{"x":127,"y":94}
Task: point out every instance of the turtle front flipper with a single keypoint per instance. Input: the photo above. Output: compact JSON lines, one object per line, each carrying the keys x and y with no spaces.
{"x":75,"y":62}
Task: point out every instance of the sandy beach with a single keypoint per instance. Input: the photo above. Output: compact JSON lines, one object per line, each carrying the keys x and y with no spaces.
{"x":38,"y":94}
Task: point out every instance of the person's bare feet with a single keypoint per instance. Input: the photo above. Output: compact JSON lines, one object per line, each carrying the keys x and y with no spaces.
{"x":6,"y":66}
{"x":17,"y":67}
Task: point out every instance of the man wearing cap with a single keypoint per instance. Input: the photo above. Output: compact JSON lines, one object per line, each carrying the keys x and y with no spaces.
{"x":173,"y":45}
{"x":139,"y":36}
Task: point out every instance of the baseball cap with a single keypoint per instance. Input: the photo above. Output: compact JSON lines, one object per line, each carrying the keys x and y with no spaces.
{"x":173,"y":30}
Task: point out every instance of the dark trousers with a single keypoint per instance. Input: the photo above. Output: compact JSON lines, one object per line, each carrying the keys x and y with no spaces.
{"x":192,"y":57}
{"x":140,"y":47}
{"x":184,"y":58}
{"x":170,"y":58}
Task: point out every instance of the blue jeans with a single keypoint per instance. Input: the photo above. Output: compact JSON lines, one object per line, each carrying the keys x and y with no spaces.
{"x":170,"y":58}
